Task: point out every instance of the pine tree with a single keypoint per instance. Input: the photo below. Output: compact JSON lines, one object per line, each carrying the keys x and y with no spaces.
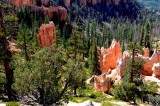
{"x":142,"y":42}
{"x":9,"y":28}
{"x":147,"y":37}
{"x":94,"y":58}
{"x":88,"y":28}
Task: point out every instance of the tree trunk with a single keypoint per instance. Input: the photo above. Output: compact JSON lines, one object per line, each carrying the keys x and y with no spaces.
{"x":6,"y":61}
{"x":75,"y":90}
{"x":8,"y":71}
{"x":9,"y":78}
{"x":132,"y":65}
{"x":42,"y":96}
{"x":25,"y":48}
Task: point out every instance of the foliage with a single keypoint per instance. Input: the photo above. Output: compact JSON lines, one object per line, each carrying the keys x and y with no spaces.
{"x":125,"y":91}
{"x":53,"y":74}
{"x":48,"y":74}
{"x":134,"y":90}
{"x":12,"y":104}
{"x":106,"y":103}
{"x":154,"y":100}
{"x":93,"y":58}
{"x":150,"y":87}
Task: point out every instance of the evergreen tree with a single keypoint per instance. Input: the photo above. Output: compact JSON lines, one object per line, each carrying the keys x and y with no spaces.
{"x":9,"y":28}
{"x":147,"y":37}
{"x":88,"y":28}
{"x":94,"y":58}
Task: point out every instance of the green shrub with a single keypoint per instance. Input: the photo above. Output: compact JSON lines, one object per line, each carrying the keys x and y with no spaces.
{"x":154,"y":100}
{"x":107,"y":103}
{"x":11,"y":18}
{"x":125,"y":91}
{"x":12,"y":104}
{"x":150,"y":87}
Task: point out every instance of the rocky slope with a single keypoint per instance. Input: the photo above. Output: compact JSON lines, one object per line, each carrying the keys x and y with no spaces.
{"x":104,"y":8}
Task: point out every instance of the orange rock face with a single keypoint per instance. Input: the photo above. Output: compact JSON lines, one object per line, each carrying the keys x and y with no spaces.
{"x":102,"y":83}
{"x":56,"y":14}
{"x":112,"y":65}
{"x":156,"y":70}
{"x":109,"y":57}
{"x":18,"y":3}
{"x":47,"y":34}
{"x":146,"y":52}
{"x":147,"y":68}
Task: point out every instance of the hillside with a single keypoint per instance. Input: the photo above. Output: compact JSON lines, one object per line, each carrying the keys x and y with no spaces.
{"x":92,"y":52}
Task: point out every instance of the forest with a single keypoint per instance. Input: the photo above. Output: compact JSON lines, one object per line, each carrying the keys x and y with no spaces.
{"x":79,"y":53}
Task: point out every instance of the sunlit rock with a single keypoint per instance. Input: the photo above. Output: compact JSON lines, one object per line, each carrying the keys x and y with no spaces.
{"x":47,"y":34}
{"x":109,"y":57}
{"x":19,"y":3}
{"x":156,"y":70}
{"x":102,"y":83}
{"x":146,"y":52}
{"x":147,"y":68}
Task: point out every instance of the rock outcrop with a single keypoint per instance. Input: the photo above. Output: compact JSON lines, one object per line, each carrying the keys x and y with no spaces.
{"x":56,"y":14}
{"x":156,"y":70}
{"x":47,"y":34}
{"x":18,"y":3}
{"x":104,"y":8}
{"x":113,"y":64}
{"x":146,"y":52}
{"x":147,"y":68}
{"x":12,"y":45}
{"x":109,"y":57}
{"x":100,"y":83}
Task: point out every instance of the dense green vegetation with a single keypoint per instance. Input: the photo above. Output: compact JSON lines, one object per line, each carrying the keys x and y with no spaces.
{"x":58,"y":73}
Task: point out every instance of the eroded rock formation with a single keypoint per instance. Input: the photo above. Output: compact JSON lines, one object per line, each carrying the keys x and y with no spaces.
{"x":56,"y":14}
{"x":109,"y":57}
{"x":12,"y":45}
{"x":156,"y":69}
{"x":47,"y":34}
{"x":112,"y":65}
{"x":18,"y":3}
{"x":100,"y":83}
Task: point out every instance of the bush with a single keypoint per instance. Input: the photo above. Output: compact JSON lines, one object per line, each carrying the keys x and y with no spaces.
{"x":125,"y":91}
{"x":154,"y":100}
{"x":107,"y":103}
{"x":12,"y":104}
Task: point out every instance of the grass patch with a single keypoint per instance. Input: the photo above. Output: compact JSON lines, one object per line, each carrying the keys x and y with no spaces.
{"x":108,"y":103}
{"x":90,"y":94}
{"x":12,"y":104}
